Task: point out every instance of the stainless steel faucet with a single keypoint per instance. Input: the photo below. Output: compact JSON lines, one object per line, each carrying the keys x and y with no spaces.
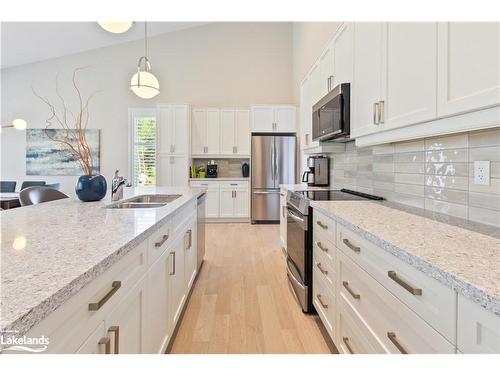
{"x":117,"y":186}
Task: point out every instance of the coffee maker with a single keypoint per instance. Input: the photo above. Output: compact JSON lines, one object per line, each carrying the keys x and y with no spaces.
{"x":318,"y":173}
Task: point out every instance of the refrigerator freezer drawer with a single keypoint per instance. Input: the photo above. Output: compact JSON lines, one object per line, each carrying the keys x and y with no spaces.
{"x":265,"y":206}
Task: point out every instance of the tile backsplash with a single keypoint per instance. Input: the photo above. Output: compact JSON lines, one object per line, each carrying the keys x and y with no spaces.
{"x":225,"y":167}
{"x":435,"y":174}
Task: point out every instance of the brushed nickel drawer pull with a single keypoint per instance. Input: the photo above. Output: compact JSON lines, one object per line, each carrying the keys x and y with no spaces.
{"x":394,"y":276}
{"x":324,"y":305}
{"x":323,"y":271}
{"x":94,"y":306}
{"x":346,"y":343}
{"x":107,"y":344}
{"x":394,"y":340}
{"x":164,"y":238}
{"x":325,"y":249}
{"x":116,"y":331}
{"x":348,"y":243}
{"x":172,"y":272}
{"x":346,"y":286}
{"x":324,"y":226}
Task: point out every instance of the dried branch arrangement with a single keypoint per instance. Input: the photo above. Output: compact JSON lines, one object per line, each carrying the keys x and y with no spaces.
{"x":74,"y":125}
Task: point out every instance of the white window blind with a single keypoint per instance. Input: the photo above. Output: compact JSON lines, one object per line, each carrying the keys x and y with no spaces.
{"x":143,"y":151}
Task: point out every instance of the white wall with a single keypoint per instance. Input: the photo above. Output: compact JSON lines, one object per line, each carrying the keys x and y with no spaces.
{"x":220,"y":64}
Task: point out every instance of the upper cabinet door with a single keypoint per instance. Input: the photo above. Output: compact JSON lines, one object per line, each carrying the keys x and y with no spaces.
{"x":180,"y":129}
{"x":199,"y":132}
{"x":242,"y":132}
{"x":262,"y":119}
{"x":325,"y":71}
{"x":409,"y":76}
{"x":285,"y":119}
{"x":227,"y":131}
{"x":343,"y":56}
{"x":213,"y":131}
{"x":164,"y":128}
{"x":468,"y":66}
{"x":366,"y":91}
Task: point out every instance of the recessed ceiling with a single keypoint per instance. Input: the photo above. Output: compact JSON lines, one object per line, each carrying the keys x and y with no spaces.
{"x":28,"y":42}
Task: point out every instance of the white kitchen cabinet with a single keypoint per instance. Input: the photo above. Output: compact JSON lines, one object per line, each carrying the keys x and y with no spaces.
{"x":234,"y":198}
{"x":325,"y":71}
{"x":468,"y":66}
{"x":173,"y":170}
{"x":268,"y":119}
{"x":343,"y":55}
{"x":205,"y":137}
{"x":235,"y":132}
{"x":241,"y":202}
{"x":478,"y":329}
{"x":283,"y":218}
{"x":213,"y":131}
{"x":367,"y":85}
{"x":177,"y":279}
{"x":408,"y":93}
{"x":226,"y":202}
{"x":173,"y":128}
{"x":126,"y":324}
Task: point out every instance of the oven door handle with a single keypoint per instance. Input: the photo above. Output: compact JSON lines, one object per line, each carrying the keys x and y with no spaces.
{"x":298,"y":219}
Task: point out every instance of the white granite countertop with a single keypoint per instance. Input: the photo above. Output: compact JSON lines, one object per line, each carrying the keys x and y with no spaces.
{"x":221,"y":179}
{"x":52,"y":250}
{"x":304,"y":187}
{"x":465,"y":260}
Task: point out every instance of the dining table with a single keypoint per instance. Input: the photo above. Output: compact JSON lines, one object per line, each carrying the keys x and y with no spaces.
{"x":9,"y":200}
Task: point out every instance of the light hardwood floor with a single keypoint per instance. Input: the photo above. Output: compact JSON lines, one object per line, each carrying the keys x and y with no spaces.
{"x":241,"y":302}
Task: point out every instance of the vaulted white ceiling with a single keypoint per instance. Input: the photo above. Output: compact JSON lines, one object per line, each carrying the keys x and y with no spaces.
{"x":28,"y":42}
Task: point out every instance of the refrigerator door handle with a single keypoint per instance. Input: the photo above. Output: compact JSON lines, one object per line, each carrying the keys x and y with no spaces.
{"x":276,"y":163}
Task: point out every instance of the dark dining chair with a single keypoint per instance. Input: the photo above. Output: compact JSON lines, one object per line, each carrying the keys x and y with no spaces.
{"x":7,"y":186}
{"x":55,"y":185}
{"x":26,"y":184}
{"x":39,"y":194}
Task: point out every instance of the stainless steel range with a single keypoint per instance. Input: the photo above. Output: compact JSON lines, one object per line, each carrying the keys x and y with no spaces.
{"x":300,"y":236}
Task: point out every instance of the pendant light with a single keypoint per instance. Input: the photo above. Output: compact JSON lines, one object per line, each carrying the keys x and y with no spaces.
{"x":143,"y":83}
{"x":18,"y":124}
{"x":116,"y":27}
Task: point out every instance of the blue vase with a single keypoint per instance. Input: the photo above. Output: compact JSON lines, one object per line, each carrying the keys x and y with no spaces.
{"x":91,"y":188}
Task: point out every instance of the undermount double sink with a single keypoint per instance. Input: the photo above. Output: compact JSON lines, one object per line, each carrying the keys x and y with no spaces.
{"x":146,"y":201}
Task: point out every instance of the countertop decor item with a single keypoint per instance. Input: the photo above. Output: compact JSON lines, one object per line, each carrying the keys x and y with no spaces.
{"x":245,"y":170}
{"x":143,"y":83}
{"x":73,"y":140}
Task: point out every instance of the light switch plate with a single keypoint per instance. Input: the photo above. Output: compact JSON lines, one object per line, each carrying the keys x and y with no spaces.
{"x":482,"y":172}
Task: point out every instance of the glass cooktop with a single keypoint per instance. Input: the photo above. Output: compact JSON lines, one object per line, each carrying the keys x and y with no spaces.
{"x":337,"y":195}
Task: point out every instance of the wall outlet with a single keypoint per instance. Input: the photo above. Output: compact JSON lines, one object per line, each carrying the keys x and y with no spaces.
{"x":482,"y":172}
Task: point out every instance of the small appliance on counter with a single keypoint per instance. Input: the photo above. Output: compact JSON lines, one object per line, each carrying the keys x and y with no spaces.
{"x":211,"y":170}
{"x":319,"y":171}
{"x":245,"y":170}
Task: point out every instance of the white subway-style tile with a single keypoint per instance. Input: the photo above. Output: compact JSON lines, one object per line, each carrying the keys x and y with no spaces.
{"x":409,"y":146}
{"x":485,"y":138}
{"x":485,"y":216}
{"x":448,"y":142}
{"x":485,"y":153}
{"x":447,"y":208}
{"x":450,"y":182}
{"x":409,"y":178}
{"x":447,"y":156}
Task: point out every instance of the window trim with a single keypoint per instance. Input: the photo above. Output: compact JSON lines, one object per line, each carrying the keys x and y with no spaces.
{"x":132,"y":114}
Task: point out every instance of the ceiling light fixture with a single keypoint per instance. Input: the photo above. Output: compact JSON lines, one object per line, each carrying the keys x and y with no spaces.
{"x":18,"y":124}
{"x":116,"y":27}
{"x":143,"y":83}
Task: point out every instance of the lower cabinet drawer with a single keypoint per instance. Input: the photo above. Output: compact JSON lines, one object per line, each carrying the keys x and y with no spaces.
{"x":397,"y":327}
{"x":325,"y":264}
{"x":324,"y":302}
{"x":478,"y":329}
{"x":353,"y":336}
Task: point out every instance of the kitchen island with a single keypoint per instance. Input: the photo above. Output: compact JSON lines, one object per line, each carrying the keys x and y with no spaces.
{"x":68,"y":268}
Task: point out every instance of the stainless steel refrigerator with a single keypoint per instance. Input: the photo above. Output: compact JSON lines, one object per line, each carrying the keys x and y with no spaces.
{"x":273,"y":163}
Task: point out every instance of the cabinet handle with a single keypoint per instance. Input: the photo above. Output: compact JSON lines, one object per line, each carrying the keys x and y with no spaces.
{"x":348,"y":243}
{"x":381,"y":112}
{"x":328,"y":85}
{"x":375,"y":113}
{"x":189,"y":239}
{"x":322,"y":248}
{"x":164,"y":238}
{"x":324,"y":226}
{"x":107,"y":344}
{"x":394,"y":340}
{"x":351,"y":292}
{"x":323,"y":271}
{"x":94,"y":306}
{"x":410,"y":288}
{"x":172,"y":272}
{"x":331,"y":83}
{"x":346,"y":343}
{"x":234,"y":149}
{"x":324,"y":305}
{"x":116,"y":331}
{"x":171,"y":148}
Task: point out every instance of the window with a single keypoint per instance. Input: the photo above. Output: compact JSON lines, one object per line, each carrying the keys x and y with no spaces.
{"x":143,"y":146}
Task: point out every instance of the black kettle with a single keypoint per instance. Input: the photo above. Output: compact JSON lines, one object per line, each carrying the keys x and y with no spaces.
{"x":245,"y":169}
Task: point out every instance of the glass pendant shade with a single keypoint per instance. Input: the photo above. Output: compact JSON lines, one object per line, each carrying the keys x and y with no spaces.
{"x":143,"y":83}
{"x":116,"y":27}
{"x":19,"y":124}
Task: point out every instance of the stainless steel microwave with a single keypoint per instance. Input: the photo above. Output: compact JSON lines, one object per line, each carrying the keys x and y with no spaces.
{"x":331,"y":116}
